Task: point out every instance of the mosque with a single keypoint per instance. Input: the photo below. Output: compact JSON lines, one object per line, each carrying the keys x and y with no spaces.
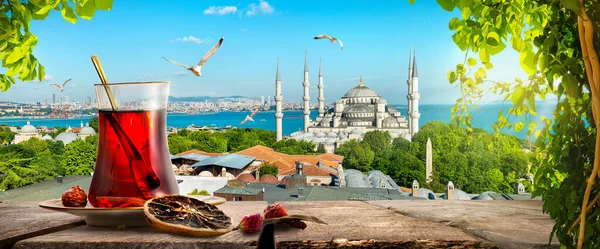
{"x":29,"y":131}
{"x":359,"y":111}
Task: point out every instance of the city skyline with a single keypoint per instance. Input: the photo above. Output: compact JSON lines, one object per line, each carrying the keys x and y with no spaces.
{"x":256,"y":33}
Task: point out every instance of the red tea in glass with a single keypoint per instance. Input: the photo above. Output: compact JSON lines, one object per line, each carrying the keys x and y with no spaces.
{"x":133,"y":162}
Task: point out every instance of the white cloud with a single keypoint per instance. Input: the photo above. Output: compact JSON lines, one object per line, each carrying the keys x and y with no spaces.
{"x":181,"y":73}
{"x":191,"y":39}
{"x":220,"y":10}
{"x":263,"y":7}
{"x":48,"y":77}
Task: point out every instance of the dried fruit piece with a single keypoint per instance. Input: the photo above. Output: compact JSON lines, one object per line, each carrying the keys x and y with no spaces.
{"x":295,"y":224}
{"x":251,"y":223}
{"x":184,"y":215}
{"x":74,"y":197}
{"x":275,"y":211}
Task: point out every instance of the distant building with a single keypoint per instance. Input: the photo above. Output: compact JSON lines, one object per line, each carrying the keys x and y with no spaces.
{"x":26,"y":132}
{"x":359,"y":111}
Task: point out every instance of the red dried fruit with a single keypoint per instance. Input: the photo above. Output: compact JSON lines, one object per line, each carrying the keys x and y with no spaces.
{"x":251,"y":223}
{"x":74,"y":197}
{"x":295,"y":224}
{"x":275,"y":211}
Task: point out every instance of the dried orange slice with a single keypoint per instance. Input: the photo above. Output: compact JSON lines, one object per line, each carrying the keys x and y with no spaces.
{"x":184,"y":215}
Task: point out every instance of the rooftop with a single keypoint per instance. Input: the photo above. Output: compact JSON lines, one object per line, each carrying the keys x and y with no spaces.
{"x":233,"y":161}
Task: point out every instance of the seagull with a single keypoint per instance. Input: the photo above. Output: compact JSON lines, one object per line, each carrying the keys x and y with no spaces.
{"x":62,"y":86}
{"x":196,"y":69}
{"x":249,"y":117}
{"x":331,"y":39}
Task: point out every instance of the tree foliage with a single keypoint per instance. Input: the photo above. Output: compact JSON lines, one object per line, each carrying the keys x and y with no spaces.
{"x":267,"y":168}
{"x":557,"y":43}
{"x":79,"y":157}
{"x":17,"y":42}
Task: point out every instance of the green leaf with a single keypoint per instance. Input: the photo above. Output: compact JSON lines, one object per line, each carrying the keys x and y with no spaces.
{"x":44,"y":11}
{"x":15,"y":55}
{"x":480,"y":73}
{"x":484,"y":56}
{"x":41,"y":72}
{"x":107,"y":4}
{"x":572,"y":5}
{"x":466,"y":13}
{"x":454,"y":23}
{"x":492,"y":39}
{"x":526,"y":61}
{"x":472,"y":62}
{"x":14,"y":69}
{"x":497,"y":49}
{"x":86,"y":9}
{"x":518,"y":96}
{"x":68,"y":14}
{"x":531,"y":102}
{"x":571,"y":86}
{"x":488,"y":65}
{"x":518,"y":43}
{"x":519,"y":126}
{"x":447,"y":5}
{"x":451,"y":77}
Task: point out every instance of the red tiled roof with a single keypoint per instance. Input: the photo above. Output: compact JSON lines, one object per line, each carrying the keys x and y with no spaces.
{"x":268,"y":178}
{"x":309,"y":170}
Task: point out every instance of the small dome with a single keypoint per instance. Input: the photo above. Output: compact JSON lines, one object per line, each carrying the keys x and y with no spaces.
{"x":325,"y":121}
{"x":66,"y":137}
{"x":342,"y":135}
{"x":360,"y":91}
{"x":320,"y":134}
{"x":485,"y":196}
{"x":381,"y":101}
{"x":389,"y":121}
{"x":246,"y":178}
{"x":206,"y":173}
{"x":28,"y":128}
{"x":330,"y":140}
{"x":332,"y":134}
{"x":268,"y":178}
{"x":358,"y":108}
{"x":229,"y":176}
{"x":318,"y":140}
{"x":356,"y":131}
{"x":47,"y":137}
{"x":87,"y":130}
{"x":295,"y":134}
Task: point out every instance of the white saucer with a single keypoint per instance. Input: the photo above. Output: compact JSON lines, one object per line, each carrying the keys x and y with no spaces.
{"x":114,"y":217}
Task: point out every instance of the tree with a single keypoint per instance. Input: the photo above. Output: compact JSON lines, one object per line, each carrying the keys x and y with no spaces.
{"x":356,"y":156}
{"x":17,"y":42}
{"x":377,"y":140}
{"x":321,"y":148}
{"x":556,"y":40}
{"x":178,"y":144}
{"x":268,"y":168}
{"x":94,"y":123}
{"x":79,"y":158}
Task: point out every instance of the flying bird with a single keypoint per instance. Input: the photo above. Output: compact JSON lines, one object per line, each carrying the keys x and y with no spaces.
{"x":331,"y":39}
{"x":249,"y":117}
{"x":62,"y":86}
{"x":196,"y":70}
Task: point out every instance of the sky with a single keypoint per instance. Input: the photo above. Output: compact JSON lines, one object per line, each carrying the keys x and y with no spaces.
{"x":131,"y":38}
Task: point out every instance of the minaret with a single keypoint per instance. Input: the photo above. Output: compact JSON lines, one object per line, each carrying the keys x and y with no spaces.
{"x":408,"y":82}
{"x":414,"y":98}
{"x":278,"y":99}
{"x":321,"y":98}
{"x":306,"y":98}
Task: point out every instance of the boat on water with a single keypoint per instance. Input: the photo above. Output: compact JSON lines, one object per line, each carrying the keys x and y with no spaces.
{"x":263,"y":120}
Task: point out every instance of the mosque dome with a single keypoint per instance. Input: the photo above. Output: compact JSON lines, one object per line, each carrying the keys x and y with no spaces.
{"x":320,"y":134}
{"x":47,"y":137}
{"x":246,"y":178}
{"x":66,"y":137}
{"x":268,"y":178}
{"x":332,"y":134}
{"x":359,"y":108}
{"x":342,"y":135}
{"x":360,"y":91}
{"x":486,"y":196}
{"x":381,"y":101}
{"x":390,"y":122}
{"x":330,"y":140}
{"x":87,"y":130}
{"x":295,"y":134}
{"x":356,"y":131}
{"x":318,"y":140}
{"x":206,"y":173}
{"x":28,"y":128}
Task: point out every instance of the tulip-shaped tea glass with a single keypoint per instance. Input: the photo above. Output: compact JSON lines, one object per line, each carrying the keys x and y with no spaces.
{"x":133,"y":162}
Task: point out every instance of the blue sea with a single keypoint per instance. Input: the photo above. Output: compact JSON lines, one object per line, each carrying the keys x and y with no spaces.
{"x":482,"y":117}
